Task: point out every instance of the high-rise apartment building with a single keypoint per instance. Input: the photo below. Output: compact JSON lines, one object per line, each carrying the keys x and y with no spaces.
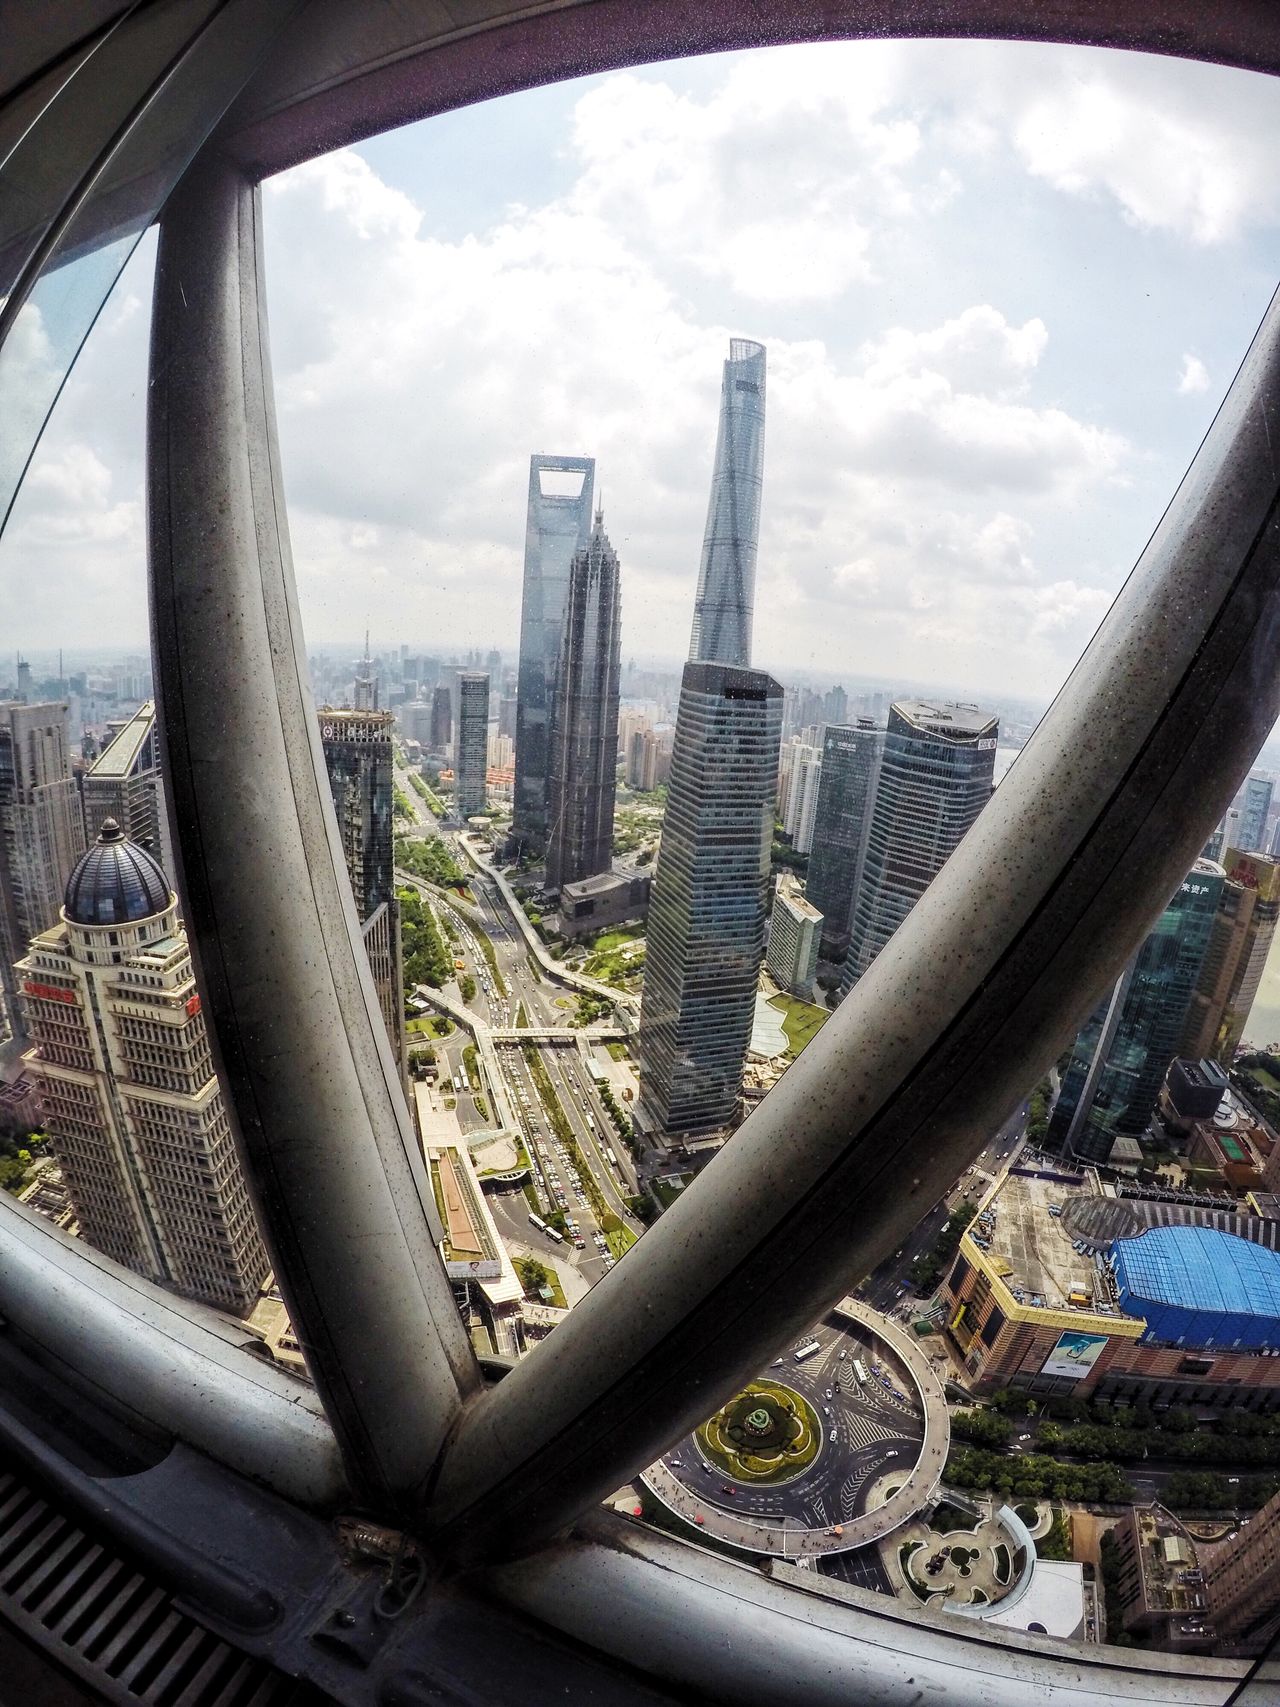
{"x":802,"y":798}
{"x":846,"y":795}
{"x":649,"y":759}
{"x":710,"y":895}
{"x":41,"y":828}
{"x":471,"y":763}
{"x":1235,"y":958}
{"x":558,"y":526}
{"x":936,"y":767}
{"x":1244,"y":1583}
{"x":124,"y":783}
{"x":795,"y":930}
{"x":1124,"y":1050}
{"x":130,"y":1099}
{"x":441,"y":719}
{"x":725,"y":602}
{"x":1255,"y":809}
{"x":584,"y":729}
{"x":358,"y":756}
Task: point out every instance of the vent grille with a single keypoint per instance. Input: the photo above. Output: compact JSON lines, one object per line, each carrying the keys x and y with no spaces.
{"x":113,"y":1626}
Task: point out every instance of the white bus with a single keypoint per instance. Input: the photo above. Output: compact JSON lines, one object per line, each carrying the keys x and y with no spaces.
{"x":538,"y":1222}
{"x":860,"y":1370}
{"x":609,"y":1151}
{"x":807,"y":1350}
{"x":552,"y":1234}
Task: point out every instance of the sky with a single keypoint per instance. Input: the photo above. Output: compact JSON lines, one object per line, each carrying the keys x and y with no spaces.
{"x":1003,"y":290}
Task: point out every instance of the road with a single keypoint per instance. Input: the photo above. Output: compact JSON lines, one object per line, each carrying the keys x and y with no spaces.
{"x":889,"y":1283}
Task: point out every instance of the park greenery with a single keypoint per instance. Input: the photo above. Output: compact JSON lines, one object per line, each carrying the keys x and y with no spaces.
{"x":430,"y":861}
{"x":1038,"y":1116}
{"x":467,"y":987}
{"x":1033,"y":1476}
{"x":767,"y":1433}
{"x":620,"y":1120}
{"x":17,"y":1154}
{"x":426,"y":959}
{"x":471,"y":1063}
{"x":801,"y":1021}
{"x":1258,"y":1077}
{"x":402,"y":807}
{"x":1057,"y":1544}
{"x":1111,"y":1561}
{"x":491,"y":959}
{"x":591,"y":1009}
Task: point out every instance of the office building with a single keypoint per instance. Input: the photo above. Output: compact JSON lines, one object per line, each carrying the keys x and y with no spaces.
{"x":802,"y":797}
{"x":124,"y":783}
{"x":441,"y":719}
{"x":469,"y":792}
{"x":710,"y":895}
{"x":558,"y":526}
{"x":1124,"y":1049}
{"x":835,"y":706}
{"x":936,"y":772}
{"x":1255,"y":809}
{"x":795,"y":929}
{"x":130,"y":1098}
{"x":358,"y":756}
{"x":1235,"y":958}
{"x":41,"y":829}
{"x":584,"y":728}
{"x":1244,"y":1583}
{"x":724,"y":605}
{"x":846,"y":795}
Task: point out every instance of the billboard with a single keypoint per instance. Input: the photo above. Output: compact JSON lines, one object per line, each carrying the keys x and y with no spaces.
{"x":1074,"y":1355}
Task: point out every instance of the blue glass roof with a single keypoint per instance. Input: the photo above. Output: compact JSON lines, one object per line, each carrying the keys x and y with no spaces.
{"x":1200,"y":1269}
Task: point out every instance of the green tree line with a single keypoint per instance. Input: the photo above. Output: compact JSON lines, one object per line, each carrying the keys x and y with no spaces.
{"x":426,"y":959}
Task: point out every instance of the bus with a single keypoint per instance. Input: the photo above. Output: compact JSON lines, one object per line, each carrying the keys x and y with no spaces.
{"x":612,"y":1155}
{"x":807,"y":1350}
{"x":860,"y":1370}
{"x":552,"y":1234}
{"x":538,"y":1222}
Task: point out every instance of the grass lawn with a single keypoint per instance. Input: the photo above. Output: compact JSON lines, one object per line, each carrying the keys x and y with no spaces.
{"x":800,"y":1020}
{"x":1267,"y":1080}
{"x":620,"y":1242}
{"x":618,"y":1051}
{"x":665,"y":1193}
{"x":615,"y":939}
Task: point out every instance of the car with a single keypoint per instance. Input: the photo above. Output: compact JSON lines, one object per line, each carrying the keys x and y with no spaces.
{"x":1233,"y":1480}
{"x":826,"y":1410}
{"x":843,"y":1355}
{"x":831,"y":1393}
{"x":831,"y":1434}
{"x":726,"y":1489}
{"x":778,"y":1362}
{"x":1024,"y":1437}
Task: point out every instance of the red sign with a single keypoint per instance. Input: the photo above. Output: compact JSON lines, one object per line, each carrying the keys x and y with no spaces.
{"x":193,"y":1007}
{"x":50,"y":992}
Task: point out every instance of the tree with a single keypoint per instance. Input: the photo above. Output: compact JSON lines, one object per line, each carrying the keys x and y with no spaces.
{"x":533,"y":1276}
{"x":467,"y":987}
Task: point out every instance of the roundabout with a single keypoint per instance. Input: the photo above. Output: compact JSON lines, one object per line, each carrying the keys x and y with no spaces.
{"x":835,"y":1446}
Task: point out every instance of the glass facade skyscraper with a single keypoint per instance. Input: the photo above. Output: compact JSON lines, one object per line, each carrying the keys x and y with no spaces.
{"x":358,"y":759}
{"x":1255,"y":808}
{"x":725,"y":600}
{"x":561,"y":492}
{"x":1235,"y":959}
{"x":471,"y":769}
{"x":706,"y":932}
{"x":935,"y":777}
{"x":846,"y":795}
{"x":584,"y":731}
{"x":1124,"y":1049}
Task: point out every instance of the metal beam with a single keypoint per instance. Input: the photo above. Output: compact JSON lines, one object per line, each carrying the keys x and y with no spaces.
{"x":1091,"y":832}
{"x":326,"y":1137}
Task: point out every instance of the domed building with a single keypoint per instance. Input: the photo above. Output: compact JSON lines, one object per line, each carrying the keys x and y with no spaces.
{"x":130,"y":1098}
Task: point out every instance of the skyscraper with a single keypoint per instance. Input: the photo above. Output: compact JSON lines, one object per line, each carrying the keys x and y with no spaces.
{"x":1244,"y":1583}
{"x":130,"y":1098}
{"x":561,"y":490}
{"x":1255,"y":808}
{"x":725,"y":601}
{"x":710,"y":895}
{"x":1240,"y":938}
{"x":795,"y":927}
{"x":41,"y":828}
{"x":1123,"y":1051}
{"x":846,"y":795}
{"x":471,"y":766}
{"x":441,"y":719}
{"x":124,"y":783}
{"x":358,"y":756}
{"x":935,"y":777}
{"x":584,"y":728}
{"x":802,"y":802}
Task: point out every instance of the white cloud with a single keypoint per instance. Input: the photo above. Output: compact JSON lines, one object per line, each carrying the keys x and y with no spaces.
{"x":1194,"y":376}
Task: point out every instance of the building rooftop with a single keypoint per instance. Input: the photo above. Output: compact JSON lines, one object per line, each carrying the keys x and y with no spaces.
{"x":1032,"y":1250}
{"x":945,"y":717}
{"x":119,"y":756}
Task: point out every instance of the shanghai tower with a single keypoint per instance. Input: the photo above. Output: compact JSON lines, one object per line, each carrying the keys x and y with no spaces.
{"x":725,"y":601}
{"x":584,"y":729}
